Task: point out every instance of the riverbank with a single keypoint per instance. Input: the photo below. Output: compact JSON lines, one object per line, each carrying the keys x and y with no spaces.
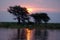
{"x":41,"y":26}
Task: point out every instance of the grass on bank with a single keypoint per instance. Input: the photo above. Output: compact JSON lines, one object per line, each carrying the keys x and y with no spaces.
{"x":41,"y":26}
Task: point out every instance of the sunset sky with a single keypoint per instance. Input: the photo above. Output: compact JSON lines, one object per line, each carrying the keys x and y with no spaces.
{"x":51,"y":7}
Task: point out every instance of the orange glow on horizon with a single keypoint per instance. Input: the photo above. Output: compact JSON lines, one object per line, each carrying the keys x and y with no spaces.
{"x":34,"y":9}
{"x":28,"y":34}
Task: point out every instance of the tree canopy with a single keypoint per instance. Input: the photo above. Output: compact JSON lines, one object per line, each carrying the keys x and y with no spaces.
{"x":20,"y":12}
{"x":39,"y":17}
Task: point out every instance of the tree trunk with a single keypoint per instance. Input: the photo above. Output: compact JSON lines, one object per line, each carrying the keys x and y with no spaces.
{"x":18,"y":30}
{"x":46,"y":25}
{"x":18,"y":18}
{"x":23,"y":20}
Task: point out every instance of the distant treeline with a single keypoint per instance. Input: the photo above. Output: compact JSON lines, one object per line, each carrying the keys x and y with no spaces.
{"x":32,"y":25}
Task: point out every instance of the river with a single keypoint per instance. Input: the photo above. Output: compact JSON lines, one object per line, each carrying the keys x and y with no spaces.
{"x":11,"y":34}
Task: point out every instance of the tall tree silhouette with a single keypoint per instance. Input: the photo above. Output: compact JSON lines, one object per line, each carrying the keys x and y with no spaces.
{"x":40,"y":17}
{"x":36,"y":17}
{"x":20,"y":13}
{"x":44,"y":17}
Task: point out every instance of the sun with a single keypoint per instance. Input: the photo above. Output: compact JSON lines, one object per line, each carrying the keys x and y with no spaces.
{"x":30,"y":10}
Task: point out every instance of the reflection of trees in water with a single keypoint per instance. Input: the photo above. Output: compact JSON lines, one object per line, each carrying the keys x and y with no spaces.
{"x":45,"y":35}
{"x":13,"y":37}
{"x":38,"y":35}
{"x":41,"y":35}
{"x":22,"y":35}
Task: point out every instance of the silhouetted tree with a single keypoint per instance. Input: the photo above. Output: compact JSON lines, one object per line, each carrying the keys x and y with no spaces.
{"x":39,"y":17}
{"x":36,"y":17}
{"x":20,"y":13}
{"x":44,"y":17}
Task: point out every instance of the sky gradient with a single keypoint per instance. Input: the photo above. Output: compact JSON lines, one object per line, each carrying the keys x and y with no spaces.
{"x":51,"y":7}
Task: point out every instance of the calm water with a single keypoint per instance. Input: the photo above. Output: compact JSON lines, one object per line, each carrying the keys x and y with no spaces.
{"x":11,"y":34}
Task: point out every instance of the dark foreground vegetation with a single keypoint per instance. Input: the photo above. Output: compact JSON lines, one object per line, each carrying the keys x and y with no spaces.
{"x":41,"y":26}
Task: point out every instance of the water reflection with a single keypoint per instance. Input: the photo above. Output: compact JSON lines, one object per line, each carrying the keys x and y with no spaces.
{"x":27,"y":34}
{"x":41,"y":34}
{"x":34,"y":34}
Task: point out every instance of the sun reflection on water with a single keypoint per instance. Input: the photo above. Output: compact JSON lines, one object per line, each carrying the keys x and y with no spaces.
{"x":28,"y":35}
